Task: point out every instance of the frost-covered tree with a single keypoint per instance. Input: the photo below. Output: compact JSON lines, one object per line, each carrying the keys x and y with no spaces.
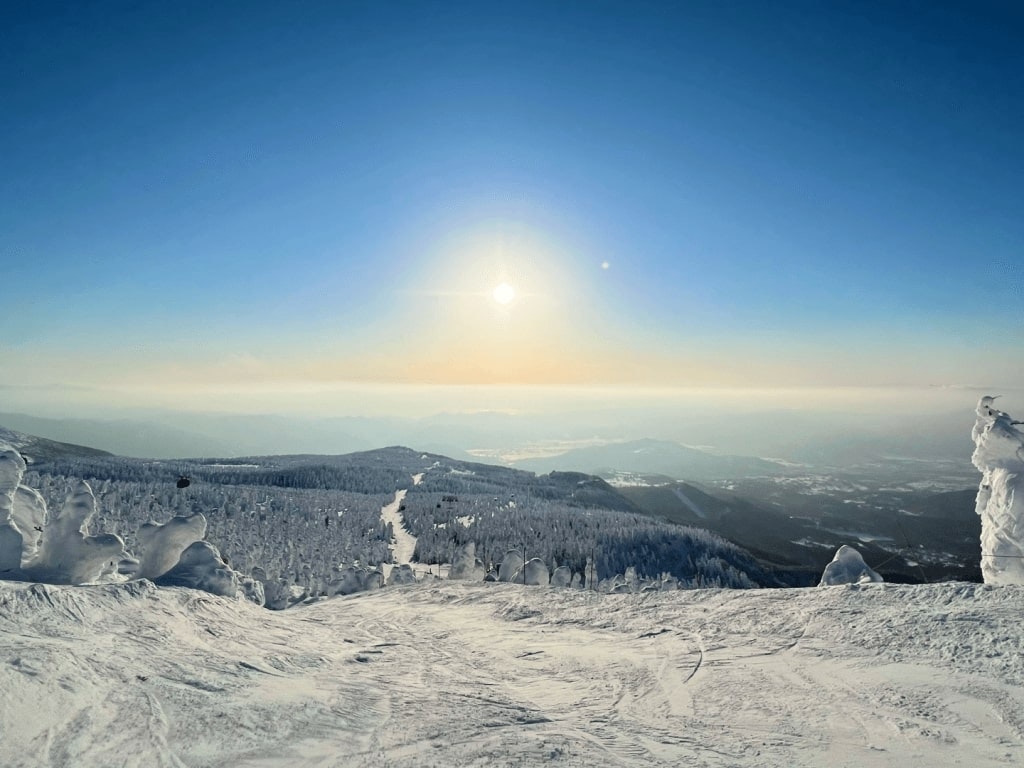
{"x":848,"y":567}
{"x":999,"y":455}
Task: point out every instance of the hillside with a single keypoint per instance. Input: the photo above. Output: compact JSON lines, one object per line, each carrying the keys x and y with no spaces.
{"x":910,"y":534}
{"x":36,"y":449}
{"x":299,"y":520}
{"x":443,"y":674}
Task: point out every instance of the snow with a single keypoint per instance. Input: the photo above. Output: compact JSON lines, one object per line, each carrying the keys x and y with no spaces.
{"x":562,"y":576}
{"x":12,"y":467}
{"x":999,"y":455}
{"x":30,"y":517}
{"x":161,"y":545}
{"x":60,"y":550}
{"x":466,"y":565}
{"x":201,"y":567}
{"x":404,"y":542}
{"x":67,"y":554}
{"x":537,"y":574}
{"x":848,"y":567}
{"x":511,"y":567}
{"x":453,"y":673}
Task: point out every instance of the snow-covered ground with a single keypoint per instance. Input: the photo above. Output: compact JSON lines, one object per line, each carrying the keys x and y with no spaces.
{"x":405,"y":543}
{"x":461,"y":674}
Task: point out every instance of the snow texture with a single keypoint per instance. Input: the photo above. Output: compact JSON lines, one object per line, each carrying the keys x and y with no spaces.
{"x":464,"y":674}
{"x":201,"y":567}
{"x":161,"y":545}
{"x":848,"y":567}
{"x":30,"y":517}
{"x":999,"y":455}
{"x":68,"y":554}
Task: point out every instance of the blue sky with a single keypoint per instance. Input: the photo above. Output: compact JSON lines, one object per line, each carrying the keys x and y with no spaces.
{"x":240,"y":194}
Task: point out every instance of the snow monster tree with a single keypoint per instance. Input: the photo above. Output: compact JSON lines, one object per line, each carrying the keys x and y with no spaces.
{"x":999,"y":455}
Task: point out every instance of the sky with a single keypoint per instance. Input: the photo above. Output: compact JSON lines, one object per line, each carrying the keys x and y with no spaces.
{"x":287,"y":206}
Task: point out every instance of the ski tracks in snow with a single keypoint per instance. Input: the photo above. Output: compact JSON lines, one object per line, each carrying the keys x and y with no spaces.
{"x":441,"y":674}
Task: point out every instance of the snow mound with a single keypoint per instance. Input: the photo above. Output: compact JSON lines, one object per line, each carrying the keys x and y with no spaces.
{"x":355,"y":579}
{"x":848,"y":567}
{"x":562,"y":577}
{"x":511,"y":566}
{"x":201,"y":567}
{"x":161,"y":545}
{"x":999,"y":456}
{"x":403,"y":574}
{"x":537,"y":574}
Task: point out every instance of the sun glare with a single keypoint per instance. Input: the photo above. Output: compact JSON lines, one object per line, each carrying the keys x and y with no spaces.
{"x":504,"y":293}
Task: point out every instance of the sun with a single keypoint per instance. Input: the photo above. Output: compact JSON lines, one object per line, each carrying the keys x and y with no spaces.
{"x":504,"y":293}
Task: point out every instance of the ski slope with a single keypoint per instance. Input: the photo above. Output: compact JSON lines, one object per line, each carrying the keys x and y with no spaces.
{"x":404,"y":544}
{"x":445,"y":674}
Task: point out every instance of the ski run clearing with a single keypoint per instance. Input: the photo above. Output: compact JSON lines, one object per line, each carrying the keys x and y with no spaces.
{"x":404,"y":544}
{"x":459,"y":674}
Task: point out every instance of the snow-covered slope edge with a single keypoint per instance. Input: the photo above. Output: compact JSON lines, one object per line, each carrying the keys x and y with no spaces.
{"x":474,"y":674}
{"x":35,"y":448}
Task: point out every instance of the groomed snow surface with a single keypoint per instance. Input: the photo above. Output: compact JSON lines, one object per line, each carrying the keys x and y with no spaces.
{"x":463,"y":674}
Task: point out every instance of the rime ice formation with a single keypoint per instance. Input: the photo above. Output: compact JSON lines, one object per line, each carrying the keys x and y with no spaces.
{"x":161,"y":545}
{"x":403,"y":574}
{"x":999,"y":456}
{"x":276,"y":594}
{"x":68,"y":554}
{"x":12,"y":467}
{"x":562,"y":577}
{"x":30,"y":516}
{"x":511,"y":566}
{"x":847,"y":567}
{"x":201,"y":567}
{"x":537,"y":574}
{"x":60,"y":550}
{"x":252,"y":590}
{"x":466,"y":565}
{"x":354,"y":579}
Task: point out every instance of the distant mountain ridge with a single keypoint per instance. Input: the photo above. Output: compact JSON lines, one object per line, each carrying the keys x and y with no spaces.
{"x":654,"y":457}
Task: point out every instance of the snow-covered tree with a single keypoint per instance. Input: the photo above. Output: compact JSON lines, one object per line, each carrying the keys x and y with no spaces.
{"x":999,"y":455}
